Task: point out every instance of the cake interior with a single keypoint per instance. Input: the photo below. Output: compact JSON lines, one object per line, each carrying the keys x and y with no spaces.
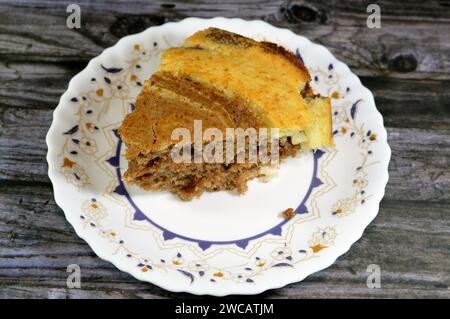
{"x":225,"y":81}
{"x":158,"y":172}
{"x":170,"y":102}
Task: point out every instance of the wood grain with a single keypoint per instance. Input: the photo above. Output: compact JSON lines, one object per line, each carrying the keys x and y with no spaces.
{"x":406,"y":103}
{"x":405,"y":64}
{"x":38,"y":244}
{"x":412,"y":43}
{"x":411,"y":175}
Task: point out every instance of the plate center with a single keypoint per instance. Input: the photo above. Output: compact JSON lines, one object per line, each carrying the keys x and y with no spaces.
{"x":227,"y":216}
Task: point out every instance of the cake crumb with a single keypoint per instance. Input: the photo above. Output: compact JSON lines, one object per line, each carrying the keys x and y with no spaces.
{"x":288,"y":213}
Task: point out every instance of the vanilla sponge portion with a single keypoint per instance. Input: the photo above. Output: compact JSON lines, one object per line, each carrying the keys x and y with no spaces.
{"x":268,"y":75}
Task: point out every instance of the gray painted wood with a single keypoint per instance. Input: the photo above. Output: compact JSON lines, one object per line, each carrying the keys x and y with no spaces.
{"x":405,"y":63}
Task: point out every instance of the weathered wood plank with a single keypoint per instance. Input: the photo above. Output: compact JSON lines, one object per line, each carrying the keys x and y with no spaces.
{"x":406,"y":103}
{"x":304,"y":291}
{"x":405,"y":63}
{"x":403,"y":102}
{"x":38,"y":244}
{"x":412,"y":45}
{"x":34,"y":85}
{"x":420,"y":164}
{"x":36,"y":292}
{"x":419,"y":169}
{"x":23,"y":130}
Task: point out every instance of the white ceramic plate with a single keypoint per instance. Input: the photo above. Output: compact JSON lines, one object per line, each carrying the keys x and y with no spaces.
{"x":221,"y":243}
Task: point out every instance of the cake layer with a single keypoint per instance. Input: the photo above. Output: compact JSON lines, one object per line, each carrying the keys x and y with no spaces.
{"x":168,"y":102}
{"x":269,"y":80}
{"x":262,"y":72}
{"x":223,"y":81}
{"x":189,"y":180}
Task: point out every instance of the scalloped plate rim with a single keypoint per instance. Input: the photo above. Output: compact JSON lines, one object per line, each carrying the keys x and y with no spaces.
{"x":325,"y":261}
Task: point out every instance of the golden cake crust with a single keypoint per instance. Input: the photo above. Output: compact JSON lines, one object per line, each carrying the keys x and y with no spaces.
{"x":254,"y":72}
{"x":214,"y":38}
{"x":262,"y":78}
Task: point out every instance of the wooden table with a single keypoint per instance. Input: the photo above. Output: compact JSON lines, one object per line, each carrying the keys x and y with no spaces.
{"x":406,"y":64}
